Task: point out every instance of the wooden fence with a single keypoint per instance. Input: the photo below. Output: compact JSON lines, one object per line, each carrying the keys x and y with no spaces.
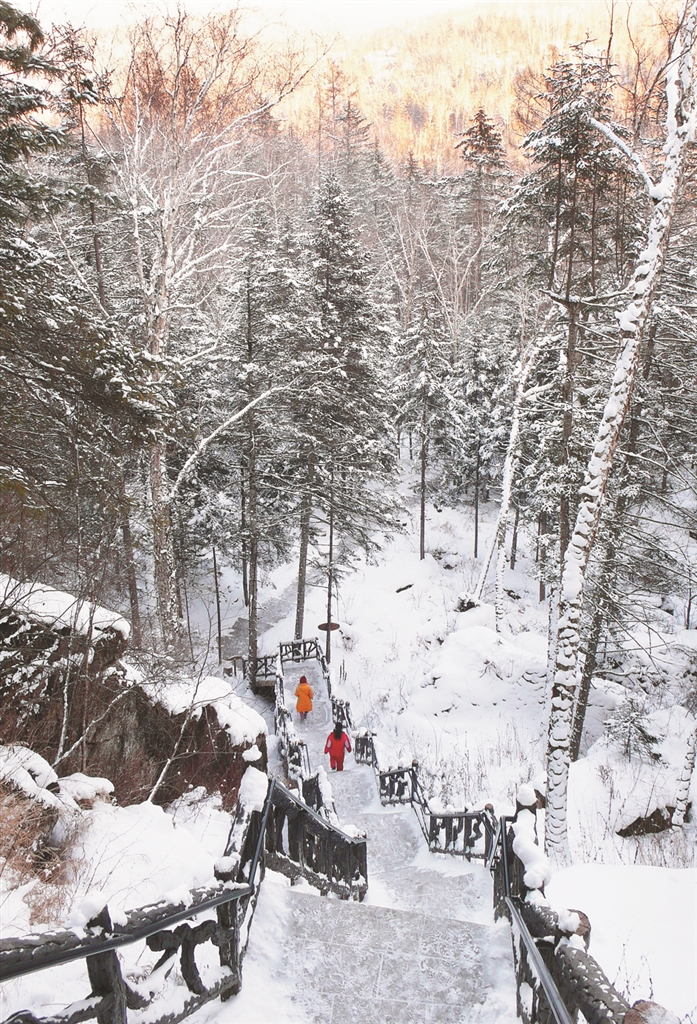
{"x":287,"y":835}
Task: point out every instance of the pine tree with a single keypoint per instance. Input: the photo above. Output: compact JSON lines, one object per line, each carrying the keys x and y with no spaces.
{"x":342,"y":407}
{"x":68,"y":386}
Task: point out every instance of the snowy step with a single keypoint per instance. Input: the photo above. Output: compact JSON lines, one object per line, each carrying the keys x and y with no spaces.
{"x":355,"y":962}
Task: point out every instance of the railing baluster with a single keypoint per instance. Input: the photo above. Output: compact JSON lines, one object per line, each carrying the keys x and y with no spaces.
{"x":104,"y":972}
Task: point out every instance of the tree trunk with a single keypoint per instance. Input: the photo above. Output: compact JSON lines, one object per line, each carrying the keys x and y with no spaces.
{"x":581,"y":544}
{"x":541,"y":531}
{"x":252,"y":497}
{"x":305,"y":518}
{"x":243,"y":532}
{"x":514,"y":538}
{"x":527,"y":362}
{"x":683,"y":791}
{"x":585,"y":685}
{"x":330,"y":576}
{"x":422,"y":499}
{"x":162,"y":545}
{"x":500,"y":571}
{"x":129,"y":555}
{"x":567,"y":431}
{"x":253,"y":639}
{"x":476,"y":498}
{"x":217,"y":608}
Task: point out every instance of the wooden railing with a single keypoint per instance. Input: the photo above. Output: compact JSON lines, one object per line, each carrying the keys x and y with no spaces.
{"x":299,"y":650}
{"x":302,"y":842}
{"x":296,"y":758}
{"x":453,"y":832}
{"x":287,"y":835}
{"x":555,"y":979}
{"x":166,"y":929}
{"x":265,"y":672}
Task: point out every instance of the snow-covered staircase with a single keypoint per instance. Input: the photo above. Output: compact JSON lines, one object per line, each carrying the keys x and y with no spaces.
{"x":421,"y":948}
{"x":356,"y":962}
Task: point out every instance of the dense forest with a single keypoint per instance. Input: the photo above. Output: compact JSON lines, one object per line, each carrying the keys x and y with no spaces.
{"x":223,"y":328}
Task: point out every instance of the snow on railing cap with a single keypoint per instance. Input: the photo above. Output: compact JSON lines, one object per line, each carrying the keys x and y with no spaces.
{"x":253,"y":789}
{"x":526,"y":795}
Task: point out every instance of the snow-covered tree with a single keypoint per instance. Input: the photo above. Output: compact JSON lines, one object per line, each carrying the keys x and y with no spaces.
{"x":680,"y":114}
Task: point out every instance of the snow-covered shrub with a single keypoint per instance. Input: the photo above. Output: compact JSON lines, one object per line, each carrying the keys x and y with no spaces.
{"x":629,"y":729}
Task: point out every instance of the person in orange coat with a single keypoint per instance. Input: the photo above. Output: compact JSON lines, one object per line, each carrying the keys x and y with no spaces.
{"x":336,"y":746}
{"x":304,"y":694}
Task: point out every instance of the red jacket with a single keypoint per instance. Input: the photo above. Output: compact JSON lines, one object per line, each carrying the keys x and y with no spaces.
{"x":335,"y":747}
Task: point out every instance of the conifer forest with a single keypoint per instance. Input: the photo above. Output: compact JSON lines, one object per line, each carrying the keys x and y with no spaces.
{"x":399,"y":333}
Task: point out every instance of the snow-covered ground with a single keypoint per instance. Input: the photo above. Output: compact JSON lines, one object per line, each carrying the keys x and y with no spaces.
{"x":469,"y":704}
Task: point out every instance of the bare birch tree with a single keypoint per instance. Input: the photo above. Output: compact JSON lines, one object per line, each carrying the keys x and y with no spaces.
{"x":179,"y":131}
{"x":632,"y":323}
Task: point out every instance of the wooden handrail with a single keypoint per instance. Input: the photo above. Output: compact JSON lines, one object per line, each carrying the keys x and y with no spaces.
{"x":554,"y":1000}
{"x":22,"y":956}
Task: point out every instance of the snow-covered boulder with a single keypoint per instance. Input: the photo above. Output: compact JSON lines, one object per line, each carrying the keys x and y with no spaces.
{"x":638,"y":788}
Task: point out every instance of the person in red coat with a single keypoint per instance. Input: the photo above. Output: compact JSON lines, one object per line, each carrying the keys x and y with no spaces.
{"x":336,"y":746}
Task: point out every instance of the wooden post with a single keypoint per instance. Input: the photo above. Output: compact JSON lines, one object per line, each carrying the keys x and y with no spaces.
{"x":229,"y":950}
{"x":104,"y":972}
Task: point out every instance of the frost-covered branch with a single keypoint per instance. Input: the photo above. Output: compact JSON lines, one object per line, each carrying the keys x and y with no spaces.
{"x":629,"y":153}
{"x":679,"y":131}
{"x":225,"y":425}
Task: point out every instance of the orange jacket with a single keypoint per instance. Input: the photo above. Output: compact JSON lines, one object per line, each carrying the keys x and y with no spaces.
{"x":304,"y":694}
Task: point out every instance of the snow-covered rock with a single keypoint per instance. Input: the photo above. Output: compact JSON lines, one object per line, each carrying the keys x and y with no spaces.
{"x":58,"y":609}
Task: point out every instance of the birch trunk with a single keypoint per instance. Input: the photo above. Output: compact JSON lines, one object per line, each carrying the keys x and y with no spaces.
{"x":680,"y":130}
{"x":499,"y":539}
{"x":683,"y":792}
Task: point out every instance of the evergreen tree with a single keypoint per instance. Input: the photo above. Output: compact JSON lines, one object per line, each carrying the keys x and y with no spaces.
{"x":342,"y":407}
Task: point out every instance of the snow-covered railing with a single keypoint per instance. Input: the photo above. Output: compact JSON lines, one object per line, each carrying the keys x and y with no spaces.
{"x":296,"y":757}
{"x":307,"y":650}
{"x":300,"y":650}
{"x":341,"y":712}
{"x":273,"y":826}
{"x":314,"y":786}
{"x":264,"y":672}
{"x":556,"y":977}
{"x":300,"y":842}
{"x":233,"y":898}
{"x":453,"y":832}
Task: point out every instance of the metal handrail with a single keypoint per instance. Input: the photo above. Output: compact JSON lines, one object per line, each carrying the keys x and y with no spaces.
{"x":91,"y":945}
{"x":556,"y":1004}
{"x":504,"y":856}
{"x":256,"y":856}
{"x":289,"y":794}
